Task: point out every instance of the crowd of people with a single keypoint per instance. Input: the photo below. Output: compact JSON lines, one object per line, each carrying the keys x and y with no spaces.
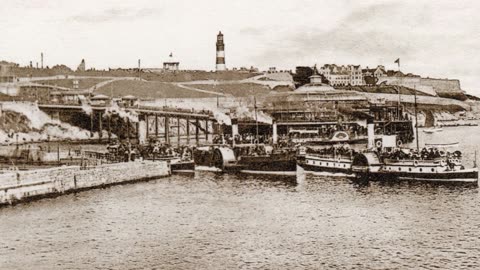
{"x":341,"y":150}
{"x":125,"y":151}
{"x":246,"y":138}
{"x":423,"y":154}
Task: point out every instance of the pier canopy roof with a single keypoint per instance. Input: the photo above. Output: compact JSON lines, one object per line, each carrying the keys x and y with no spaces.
{"x":314,"y":88}
{"x":335,"y":95}
{"x":100,"y":97}
{"x":129,"y":97}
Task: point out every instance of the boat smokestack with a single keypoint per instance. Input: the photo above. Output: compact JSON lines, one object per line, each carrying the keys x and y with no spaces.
{"x":234,"y":129}
{"x":274,"y":132}
{"x":370,"y":133}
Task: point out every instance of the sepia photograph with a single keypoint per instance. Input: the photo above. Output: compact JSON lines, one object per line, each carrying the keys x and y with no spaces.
{"x":254,"y":134}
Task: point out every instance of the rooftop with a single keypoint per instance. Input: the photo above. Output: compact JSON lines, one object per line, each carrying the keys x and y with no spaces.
{"x":171,"y":60}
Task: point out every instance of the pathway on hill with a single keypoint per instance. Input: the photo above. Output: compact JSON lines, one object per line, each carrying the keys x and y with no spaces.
{"x":62,"y":77}
{"x":270,"y":82}
{"x":256,"y":79}
{"x":113,"y":79}
{"x":30,"y":81}
{"x":182,"y":85}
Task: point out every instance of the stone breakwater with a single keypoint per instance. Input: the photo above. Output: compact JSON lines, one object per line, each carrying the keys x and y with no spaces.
{"x":17,"y":186}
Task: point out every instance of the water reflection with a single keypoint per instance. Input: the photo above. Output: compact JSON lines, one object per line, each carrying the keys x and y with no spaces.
{"x":222,"y":221}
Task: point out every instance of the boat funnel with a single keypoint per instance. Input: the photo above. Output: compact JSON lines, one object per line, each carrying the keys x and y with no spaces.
{"x":370,"y":134}
{"x":274,"y":132}
{"x":234,"y":130}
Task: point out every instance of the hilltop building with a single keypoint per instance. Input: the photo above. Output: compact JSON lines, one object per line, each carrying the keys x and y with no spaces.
{"x":171,"y":64}
{"x":6,"y":73}
{"x":220,"y":60}
{"x":342,"y":75}
{"x":81,"y":67}
{"x":371,"y":76}
{"x":316,"y":84}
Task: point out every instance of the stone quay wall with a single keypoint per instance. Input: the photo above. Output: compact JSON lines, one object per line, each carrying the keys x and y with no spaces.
{"x":17,"y":186}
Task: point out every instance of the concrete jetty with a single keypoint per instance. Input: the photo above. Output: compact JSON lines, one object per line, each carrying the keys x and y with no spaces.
{"x":17,"y":186}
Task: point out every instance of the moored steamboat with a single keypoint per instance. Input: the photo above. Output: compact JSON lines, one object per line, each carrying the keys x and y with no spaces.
{"x":335,"y":160}
{"x":391,"y":163}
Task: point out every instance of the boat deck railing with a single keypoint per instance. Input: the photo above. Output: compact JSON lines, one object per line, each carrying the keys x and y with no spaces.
{"x":330,"y":156}
{"x":429,"y":161}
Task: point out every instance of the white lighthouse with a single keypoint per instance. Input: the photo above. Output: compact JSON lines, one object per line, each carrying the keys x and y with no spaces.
{"x":220,"y":53}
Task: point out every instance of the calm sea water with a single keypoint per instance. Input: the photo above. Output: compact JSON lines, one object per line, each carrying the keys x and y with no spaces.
{"x":210,"y":221}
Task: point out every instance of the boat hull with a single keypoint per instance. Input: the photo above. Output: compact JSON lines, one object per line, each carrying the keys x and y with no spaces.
{"x":268,"y":165}
{"x":467,"y":176}
{"x":326,"y":166}
{"x":183,"y":166}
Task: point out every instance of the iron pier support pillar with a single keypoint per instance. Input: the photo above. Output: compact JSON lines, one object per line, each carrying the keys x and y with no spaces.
{"x":146,"y":123}
{"x":167,"y":129}
{"x":92,"y":115}
{"x":109,"y":124}
{"x":197,"y":129}
{"x":178,"y":131}
{"x":187,"y":127}
{"x":206,"y":130}
{"x":128,"y":130}
{"x":100,"y":126}
{"x":156,"y":126}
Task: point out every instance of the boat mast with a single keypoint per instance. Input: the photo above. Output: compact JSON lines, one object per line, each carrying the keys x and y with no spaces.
{"x":475,"y":160}
{"x":416,"y":118}
{"x":399,"y":102}
{"x":256,"y":118}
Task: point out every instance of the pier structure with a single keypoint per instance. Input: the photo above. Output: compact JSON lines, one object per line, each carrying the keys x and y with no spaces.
{"x":140,"y":123}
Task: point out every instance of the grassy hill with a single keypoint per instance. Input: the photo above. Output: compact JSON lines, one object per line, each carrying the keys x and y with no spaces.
{"x":180,"y":76}
{"x":148,"y":89}
{"x":200,"y":75}
{"x":235,"y":89}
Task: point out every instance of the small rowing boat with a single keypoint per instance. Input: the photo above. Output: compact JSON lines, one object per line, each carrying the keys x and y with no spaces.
{"x":441,"y":145}
{"x":432,"y":130}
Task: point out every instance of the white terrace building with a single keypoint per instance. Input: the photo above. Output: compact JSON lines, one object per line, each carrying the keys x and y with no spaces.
{"x":342,"y":75}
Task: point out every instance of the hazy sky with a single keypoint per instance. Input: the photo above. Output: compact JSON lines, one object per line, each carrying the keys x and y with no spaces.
{"x":432,"y":38}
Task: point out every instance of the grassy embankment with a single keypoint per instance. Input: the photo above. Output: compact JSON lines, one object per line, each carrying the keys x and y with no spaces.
{"x":149,"y":89}
{"x":235,"y":89}
{"x":180,"y":76}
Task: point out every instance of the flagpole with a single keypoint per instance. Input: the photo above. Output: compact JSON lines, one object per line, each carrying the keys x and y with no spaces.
{"x":256,"y":118}
{"x":399,"y":102}
{"x":398,"y":89}
{"x":416,"y":118}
